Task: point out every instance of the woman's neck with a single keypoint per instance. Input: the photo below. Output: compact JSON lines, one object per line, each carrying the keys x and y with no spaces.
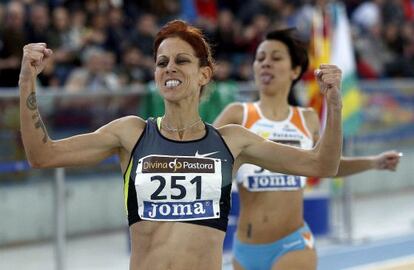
{"x":181,"y":114}
{"x":274,"y":106}
{"x":182,"y":119}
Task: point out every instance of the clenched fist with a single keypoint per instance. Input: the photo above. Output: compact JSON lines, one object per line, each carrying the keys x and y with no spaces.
{"x":387,"y":160}
{"x":35,"y":58}
{"x":329,"y":78}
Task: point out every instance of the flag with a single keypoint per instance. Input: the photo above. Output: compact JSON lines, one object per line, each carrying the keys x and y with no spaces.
{"x":342,"y":55}
{"x":319,"y":53}
{"x":331,"y":43}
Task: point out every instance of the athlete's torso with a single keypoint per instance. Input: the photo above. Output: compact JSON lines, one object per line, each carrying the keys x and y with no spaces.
{"x":185,"y":181}
{"x":177,"y":196}
{"x":271,"y":203}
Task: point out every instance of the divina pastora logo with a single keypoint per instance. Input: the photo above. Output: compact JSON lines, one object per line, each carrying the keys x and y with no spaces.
{"x":161,"y":164}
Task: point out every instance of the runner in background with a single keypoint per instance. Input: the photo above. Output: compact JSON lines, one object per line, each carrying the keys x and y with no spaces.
{"x":272,"y":233}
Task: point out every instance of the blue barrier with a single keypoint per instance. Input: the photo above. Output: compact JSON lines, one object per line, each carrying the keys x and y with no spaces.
{"x":23,"y":165}
{"x":14,"y":166}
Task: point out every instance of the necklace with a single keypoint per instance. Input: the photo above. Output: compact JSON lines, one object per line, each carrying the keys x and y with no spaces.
{"x":179,"y":129}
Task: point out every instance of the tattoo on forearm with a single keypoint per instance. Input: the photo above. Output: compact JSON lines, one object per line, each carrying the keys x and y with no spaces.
{"x":249,"y":230}
{"x":31,"y":102}
{"x":39,"y":124}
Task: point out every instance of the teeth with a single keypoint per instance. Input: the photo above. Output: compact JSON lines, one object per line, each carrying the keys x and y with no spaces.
{"x":172,"y":83}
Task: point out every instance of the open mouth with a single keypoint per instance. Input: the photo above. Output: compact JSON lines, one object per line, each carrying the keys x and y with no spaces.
{"x":266,"y":78}
{"x":172,"y":83}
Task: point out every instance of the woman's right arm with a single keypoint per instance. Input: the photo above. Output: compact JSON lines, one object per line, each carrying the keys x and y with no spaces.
{"x":41,"y":151}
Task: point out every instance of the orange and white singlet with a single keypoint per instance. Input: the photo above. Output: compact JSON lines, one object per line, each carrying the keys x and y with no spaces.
{"x":292,"y":131}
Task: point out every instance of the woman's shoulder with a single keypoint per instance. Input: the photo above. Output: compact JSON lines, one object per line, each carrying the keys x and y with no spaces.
{"x":308,"y":113}
{"x":131,"y":120}
{"x":311,"y":118}
{"x":235,"y":107}
{"x":232,"y":114}
{"x":127,"y":124}
{"x":234,"y":131}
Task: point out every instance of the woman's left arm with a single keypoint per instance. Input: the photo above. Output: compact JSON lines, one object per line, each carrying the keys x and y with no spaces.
{"x":385,"y":161}
{"x":352,"y":165}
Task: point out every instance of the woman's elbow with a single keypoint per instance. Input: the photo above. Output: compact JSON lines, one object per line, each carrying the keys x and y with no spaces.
{"x":328,"y":173}
{"x":328,"y":169}
{"x":37,"y":162}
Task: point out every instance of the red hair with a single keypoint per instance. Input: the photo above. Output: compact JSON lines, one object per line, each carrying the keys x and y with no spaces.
{"x":189,"y":34}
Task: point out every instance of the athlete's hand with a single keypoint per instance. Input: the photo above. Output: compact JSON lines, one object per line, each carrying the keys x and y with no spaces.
{"x":329,"y":78}
{"x":387,"y":160}
{"x":35,"y":58}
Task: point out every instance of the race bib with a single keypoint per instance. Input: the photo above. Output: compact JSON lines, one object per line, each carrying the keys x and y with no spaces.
{"x":174,"y":188}
{"x":255,"y":178}
{"x":264,"y":180}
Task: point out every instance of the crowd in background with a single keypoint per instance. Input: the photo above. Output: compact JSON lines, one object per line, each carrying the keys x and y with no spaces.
{"x":107,"y":44}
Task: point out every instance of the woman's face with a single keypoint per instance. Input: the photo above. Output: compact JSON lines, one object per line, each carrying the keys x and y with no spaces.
{"x":273,"y":67}
{"x":177,"y":71}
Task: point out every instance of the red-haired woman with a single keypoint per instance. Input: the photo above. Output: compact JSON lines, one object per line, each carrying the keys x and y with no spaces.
{"x":177,"y":169}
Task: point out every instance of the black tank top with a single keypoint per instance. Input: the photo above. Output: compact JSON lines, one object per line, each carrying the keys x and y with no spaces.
{"x":185,"y":181}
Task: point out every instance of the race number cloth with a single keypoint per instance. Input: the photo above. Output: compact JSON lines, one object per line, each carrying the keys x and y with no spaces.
{"x":193,"y":192}
{"x":291,"y":131}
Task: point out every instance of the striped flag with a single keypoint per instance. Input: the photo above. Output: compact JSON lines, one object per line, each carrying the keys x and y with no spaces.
{"x":343,"y":56}
{"x":319,"y":53}
{"x":320,"y":50}
{"x":331,"y":43}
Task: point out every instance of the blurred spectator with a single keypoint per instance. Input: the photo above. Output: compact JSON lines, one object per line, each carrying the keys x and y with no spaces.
{"x":144,"y":33}
{"x":96,"y":34}
{"x":269,"y":8}
{"x":393,"y":38}
{"x":253,"y":34}
{"x":12,"y":40}
{"x":38,"y":29}
{"x":116,"y":31}
{"x":95,"y":74}
{"x":78,"y":28}
{"x":368,"y":14}
{"x":223,"y":70}
{"x":392,"y":11}
{"x":166,"y":10}
{"x":207,"y":14}
{"x":403,"y":65}
{"x":244,"y":70}
{"x":373,"y":53}
{"x":227,"y":36}
{"x":207,"y":9}
{"x":133,"y":70}
{"x":232,"y":5}
{"x":65,"y":41}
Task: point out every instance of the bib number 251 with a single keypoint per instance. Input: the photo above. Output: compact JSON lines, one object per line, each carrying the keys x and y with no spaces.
{"x":175,"y":185}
